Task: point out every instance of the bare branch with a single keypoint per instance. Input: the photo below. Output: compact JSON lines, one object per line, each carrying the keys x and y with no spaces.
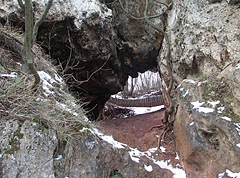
{"x":20,"y":2}
{"x":169,"y":63}
{"x":135,"y":17}
{"x":40,"y":20}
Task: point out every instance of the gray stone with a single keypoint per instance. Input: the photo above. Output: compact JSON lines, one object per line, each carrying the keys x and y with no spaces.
{"x":206,"y":135}
{"x":204,"y":38}
{"x":26,"y":151}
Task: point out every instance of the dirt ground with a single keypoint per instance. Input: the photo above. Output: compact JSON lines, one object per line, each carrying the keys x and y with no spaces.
{"x":138,"y":132}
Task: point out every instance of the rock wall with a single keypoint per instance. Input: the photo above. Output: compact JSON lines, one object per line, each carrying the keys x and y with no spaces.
{"x":205,"y":45}
{"x":27,"y":151}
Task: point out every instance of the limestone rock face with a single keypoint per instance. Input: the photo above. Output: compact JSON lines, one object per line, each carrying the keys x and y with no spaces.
{"x":205,"y":43}
{"x":89,"y":156}
{"x":206,"y":136}
{"x":26,"y":151}
{"x":204,"y":38}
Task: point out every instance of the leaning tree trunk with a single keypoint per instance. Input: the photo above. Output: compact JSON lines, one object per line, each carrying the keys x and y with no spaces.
{"x":27,"y":55}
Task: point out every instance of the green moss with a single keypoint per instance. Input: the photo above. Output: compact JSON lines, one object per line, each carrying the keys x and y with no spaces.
{"x":18,"y":134}
{"x":219,"y":90}
{"x":14,"y":142}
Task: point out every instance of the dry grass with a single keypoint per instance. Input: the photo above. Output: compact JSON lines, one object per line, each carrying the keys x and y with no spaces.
{"x":57,"y":111}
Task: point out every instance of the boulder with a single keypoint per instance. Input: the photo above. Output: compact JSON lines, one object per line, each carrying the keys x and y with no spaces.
{"x":204,"y":38}
{"x":206,"y":130}
{"x":26,"y":150}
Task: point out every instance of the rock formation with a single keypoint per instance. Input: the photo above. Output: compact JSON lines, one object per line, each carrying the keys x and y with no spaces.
{"x":205,"y":47}
{"x":97,"y":46}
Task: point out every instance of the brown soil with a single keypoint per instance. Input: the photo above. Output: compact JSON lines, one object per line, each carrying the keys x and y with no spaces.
{"x":138,"y":132}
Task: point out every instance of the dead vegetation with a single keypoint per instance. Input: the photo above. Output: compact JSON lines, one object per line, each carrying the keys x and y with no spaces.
{"x":57,"y":110}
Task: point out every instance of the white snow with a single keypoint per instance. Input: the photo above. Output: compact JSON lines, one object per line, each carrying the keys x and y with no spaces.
{"x":237,"y":127}
{"x":144,"y":110}
{"x":238,"y":145}
{"x":59,"y":157}
{"x":64,"y":107}
{"x":150,"y":151}
{"x":226,"y":118}
{"x":42,"y":99}
{"x":205,"y":110}
{"x":189,"y":81}
{"x":191,"y":124}
{"x":214,"y":103}
{"x":58,"y":78}
{"x":185,"y":94}
{"x":197,"y":105}
{"x":11,"y":75}
{"x":46,"y":82}
{"x":136,"y":154}
{"x":177,"y":173}
{"x":162,"y":149}
{"x":177,"y":157}
{"x":109,"y":139}
{"x":0,"y":156}
{"x":86,"y":119}
{"x":237,"y":67}
{"x":148,"y":168}
{"x":230,"y":174}
{"x":221,"y":109}
{"x":83,"y":129}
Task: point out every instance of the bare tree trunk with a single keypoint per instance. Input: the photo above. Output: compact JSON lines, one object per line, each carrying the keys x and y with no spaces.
{"x":27,"y":55}
{"x":30,"y":38}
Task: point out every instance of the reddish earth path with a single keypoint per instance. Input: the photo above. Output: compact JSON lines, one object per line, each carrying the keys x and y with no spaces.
{"x":136,"y":132}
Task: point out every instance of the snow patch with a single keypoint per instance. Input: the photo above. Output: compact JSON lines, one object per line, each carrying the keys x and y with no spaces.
{"x":189,"y":81}
{"x":59,"y":157}
{"x":162,"y":149}
{"x":65,"y":108}
{"x":237,"y":127}
{"x":136,"y":154}
{"x":214,"y":103}
{"x":145,"y":110}
{"x":197,"y":105}
{"x":177,"y":173}
{"x":150,"y":151}
{"x":227,"y":118}
{"x":46,"y":82}
{"x":177,"y":157}
{"x":185,"y":94}
{"x":83,"y":129}
{"x":148,"y":168}
{"x":237,"y":67}
{"x":230,"y":174}
{"x":11,"y":75}
{"x":191,"y":124}
{"x":221,"y":109}
{"x":238,"y":145}
{"x":109,"y":139}
{"x":42,"y":100}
